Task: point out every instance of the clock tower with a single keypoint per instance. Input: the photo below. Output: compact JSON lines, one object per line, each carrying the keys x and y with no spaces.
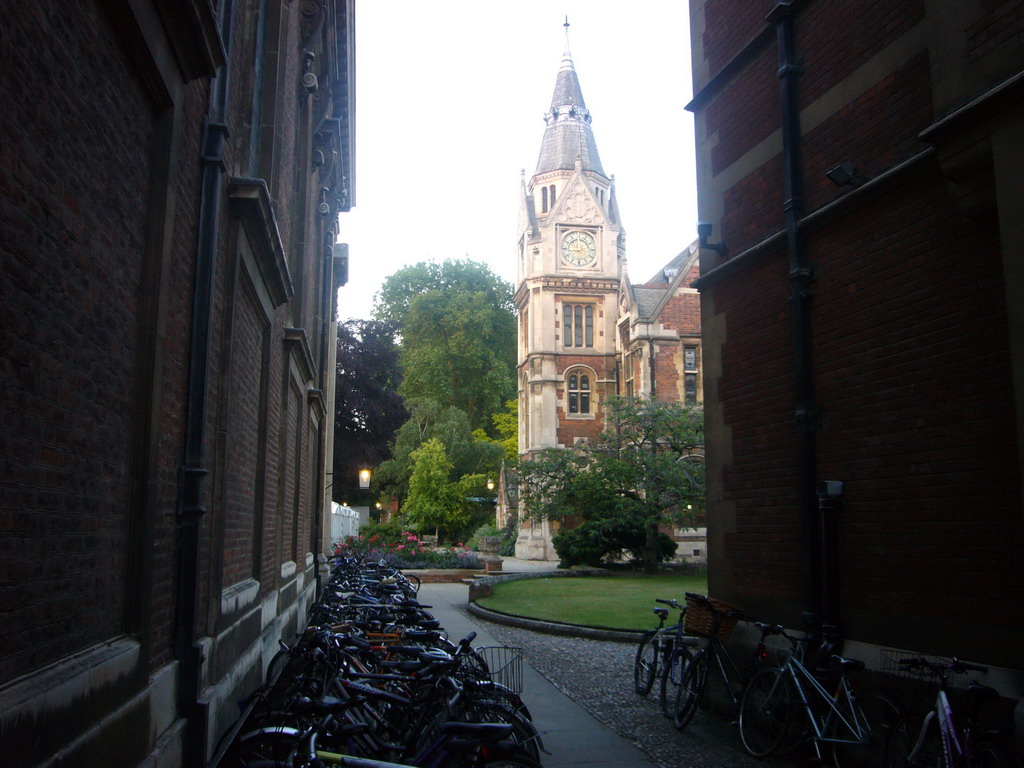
{"x":570,"y":257}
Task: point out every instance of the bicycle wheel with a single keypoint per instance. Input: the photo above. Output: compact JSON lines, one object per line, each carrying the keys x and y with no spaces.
{"x":671,"y":677}
{"x":901,"y":741}
{"x":519,"y":761}
{"x":691,"y":689}
{"x":645,"y":667}
{"x":986,"y":754}
{"x":765,"y":712}
{"x":877,"y":715}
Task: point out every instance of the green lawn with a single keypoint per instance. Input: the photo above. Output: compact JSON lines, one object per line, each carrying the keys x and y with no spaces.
{"x":618,"y":602}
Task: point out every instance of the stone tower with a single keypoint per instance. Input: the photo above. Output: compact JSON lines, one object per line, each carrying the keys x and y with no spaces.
{"x":570,"y":260}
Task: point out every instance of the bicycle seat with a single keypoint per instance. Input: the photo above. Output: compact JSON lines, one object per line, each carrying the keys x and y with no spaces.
{"x":661,"y":613}
{"x":854,"y":665}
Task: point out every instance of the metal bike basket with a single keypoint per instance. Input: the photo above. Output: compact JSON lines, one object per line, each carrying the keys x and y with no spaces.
{"x":915,"y":688}
{"x":505,"y":665}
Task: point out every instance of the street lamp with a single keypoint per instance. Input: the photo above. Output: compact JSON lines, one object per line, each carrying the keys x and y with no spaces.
{"x":490,"y":484}
{"x":364,"y":479}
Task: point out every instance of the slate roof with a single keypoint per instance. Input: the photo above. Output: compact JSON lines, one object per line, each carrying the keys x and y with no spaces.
{"x":568,"y":136}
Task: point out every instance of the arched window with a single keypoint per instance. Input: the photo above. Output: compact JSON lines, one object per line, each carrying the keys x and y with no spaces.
{"x":551,"y":195}
{"x":544,"y":200}
{"x":578,"y":393}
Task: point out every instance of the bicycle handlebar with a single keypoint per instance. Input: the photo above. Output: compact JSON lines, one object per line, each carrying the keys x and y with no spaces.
{"x":672,"y":602}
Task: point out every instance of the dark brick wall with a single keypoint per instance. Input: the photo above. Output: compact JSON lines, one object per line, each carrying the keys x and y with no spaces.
{"x":100,"y":195}
{"x":76,"y":132}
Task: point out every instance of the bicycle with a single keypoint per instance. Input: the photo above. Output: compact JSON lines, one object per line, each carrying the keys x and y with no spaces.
{"x":853,"y":728}
{"x":715,"y":621}
{"x":939,"y":741}
{"x":665,"y":647}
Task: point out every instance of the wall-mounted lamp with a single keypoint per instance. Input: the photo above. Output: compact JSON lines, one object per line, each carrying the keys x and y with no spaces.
{"x":364,"y":479}
{"x":845,"y":175}
{"x":703,"y":233}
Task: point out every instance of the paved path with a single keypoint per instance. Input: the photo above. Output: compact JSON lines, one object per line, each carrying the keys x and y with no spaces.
{"x":572,"y":736}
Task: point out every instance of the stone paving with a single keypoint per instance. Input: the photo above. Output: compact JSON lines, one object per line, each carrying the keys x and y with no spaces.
{"x":598,"y":676}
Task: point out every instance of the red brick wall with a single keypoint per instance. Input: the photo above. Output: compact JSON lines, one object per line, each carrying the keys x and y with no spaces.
{"x":915,"y":384}
{"x":730,"y":24}
{"x":887,"y":117}
{"x":835,"y":38}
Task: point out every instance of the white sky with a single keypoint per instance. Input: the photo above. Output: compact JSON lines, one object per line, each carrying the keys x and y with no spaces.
{"x":450,"y":97}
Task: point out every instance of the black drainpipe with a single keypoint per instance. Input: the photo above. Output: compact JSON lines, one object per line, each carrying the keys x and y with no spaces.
{"x":801,"y":276}
{"x":193,"y":471}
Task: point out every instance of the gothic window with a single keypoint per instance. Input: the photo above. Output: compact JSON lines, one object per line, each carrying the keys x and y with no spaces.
{"x":544,"y":200}
{"x":578,"y":325}
{"x":577,"y":393}
{"x":690,"y":372}
{"x":551,"y":195}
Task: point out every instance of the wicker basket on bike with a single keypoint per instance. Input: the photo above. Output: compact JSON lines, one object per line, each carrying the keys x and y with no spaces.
{"x":700,"y":616}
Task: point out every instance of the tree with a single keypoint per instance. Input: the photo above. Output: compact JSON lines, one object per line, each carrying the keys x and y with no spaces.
{"x":433,"y":499}
{"x":429,"y":419}
{"x":391,"y":303}
{"x":646,"y":466}
{"x":457,"y":326}
{"x":368,"y":409}
{"x":506,"y":425}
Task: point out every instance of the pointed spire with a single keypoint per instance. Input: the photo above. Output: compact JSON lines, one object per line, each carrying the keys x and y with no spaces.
{"x":568,"y":136}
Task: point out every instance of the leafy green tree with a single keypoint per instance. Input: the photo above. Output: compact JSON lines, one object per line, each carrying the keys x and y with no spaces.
{"x":646,"y":466}
{"x":429,"y":419}
{"x":506,"y":425}
{"x":391,"y":303}
{"x":457,"y":325}
{"x":434,"y":500}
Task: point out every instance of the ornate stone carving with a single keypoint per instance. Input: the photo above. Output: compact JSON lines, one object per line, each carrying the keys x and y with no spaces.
{"x":313,"y":13}
{"x":579,"y":207}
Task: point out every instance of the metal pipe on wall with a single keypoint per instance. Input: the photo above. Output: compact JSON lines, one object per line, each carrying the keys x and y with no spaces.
{"x":193,"y":471}
{"x":817,"y":534}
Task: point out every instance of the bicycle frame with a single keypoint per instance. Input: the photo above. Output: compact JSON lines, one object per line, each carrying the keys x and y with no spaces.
{"x":850,"y":720}
{"x":717,"y":649}
{"x":953,"y":751}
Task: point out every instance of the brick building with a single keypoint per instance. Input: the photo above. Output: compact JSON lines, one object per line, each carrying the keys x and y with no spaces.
{"x":865,"y":323}
{"x":171,"y":176}
{"x":585,"y":331}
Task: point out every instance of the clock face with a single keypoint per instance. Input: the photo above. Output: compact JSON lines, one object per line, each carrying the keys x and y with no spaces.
{"x":578,"y":248}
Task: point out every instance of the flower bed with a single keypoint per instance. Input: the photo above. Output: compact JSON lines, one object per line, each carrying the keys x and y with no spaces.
{"x":408,"y":551}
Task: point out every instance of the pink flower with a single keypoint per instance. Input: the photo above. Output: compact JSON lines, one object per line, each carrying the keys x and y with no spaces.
{"x":400,"y":546}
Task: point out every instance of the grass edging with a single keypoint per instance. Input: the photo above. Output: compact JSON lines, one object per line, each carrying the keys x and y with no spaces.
{"x":482,"y":587}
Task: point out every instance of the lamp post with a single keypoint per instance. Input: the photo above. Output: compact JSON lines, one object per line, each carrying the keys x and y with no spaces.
{"x":364,"y":479}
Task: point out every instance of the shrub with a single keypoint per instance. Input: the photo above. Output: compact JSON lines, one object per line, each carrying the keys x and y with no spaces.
{"x":594,"y":540}
{"x":487,"y":529}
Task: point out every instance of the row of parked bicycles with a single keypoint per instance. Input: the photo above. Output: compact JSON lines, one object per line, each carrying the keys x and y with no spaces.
{"x":789,"y":696}
{"x":373,"y":681}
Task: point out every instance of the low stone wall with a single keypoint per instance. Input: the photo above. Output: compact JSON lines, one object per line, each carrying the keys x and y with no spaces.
{"x":443,"y":575}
